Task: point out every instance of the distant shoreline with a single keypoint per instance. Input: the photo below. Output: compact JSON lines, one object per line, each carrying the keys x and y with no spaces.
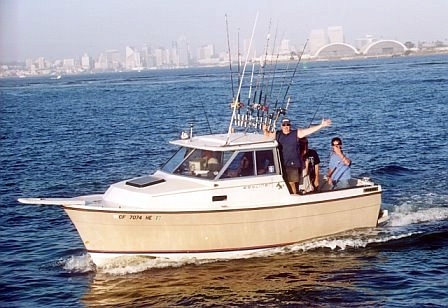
{"x":54,"y":74}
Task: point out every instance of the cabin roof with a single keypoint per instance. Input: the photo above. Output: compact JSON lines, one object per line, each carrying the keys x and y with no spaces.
{"x":225,"y":142}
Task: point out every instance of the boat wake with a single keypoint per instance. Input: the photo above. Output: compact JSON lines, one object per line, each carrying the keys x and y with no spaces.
{"x":407,"y":215}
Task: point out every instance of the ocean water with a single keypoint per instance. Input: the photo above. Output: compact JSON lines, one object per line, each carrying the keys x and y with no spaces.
{"x":78,"y":134}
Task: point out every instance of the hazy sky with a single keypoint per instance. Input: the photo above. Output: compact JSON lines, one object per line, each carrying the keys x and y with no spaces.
{"x":58,"y":29}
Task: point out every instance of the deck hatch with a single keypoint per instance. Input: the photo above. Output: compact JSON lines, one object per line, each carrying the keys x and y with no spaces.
{"x":145,"y":181}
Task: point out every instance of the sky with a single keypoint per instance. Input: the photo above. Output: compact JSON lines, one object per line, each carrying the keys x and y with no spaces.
{"x":58,"y":29}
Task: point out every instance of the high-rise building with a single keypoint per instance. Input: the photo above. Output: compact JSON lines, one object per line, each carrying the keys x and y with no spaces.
{"x":206,"y":52}
{"x":183,"y":51}
{"x":318,"y":39}
{"x":108,"y":60}
{"x":86,"y":62}
{"x":284,"y":47}
{"x":159,"y":57}
{"x":132,"y":58}
{"x":335,"y":35}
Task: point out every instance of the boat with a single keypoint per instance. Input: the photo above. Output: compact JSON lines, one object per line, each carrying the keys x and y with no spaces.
{"x":219,"y":196}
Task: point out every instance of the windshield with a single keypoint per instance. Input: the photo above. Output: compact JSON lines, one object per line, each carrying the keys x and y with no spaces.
{"x":195,"y":162}
{"x":208,"y":164}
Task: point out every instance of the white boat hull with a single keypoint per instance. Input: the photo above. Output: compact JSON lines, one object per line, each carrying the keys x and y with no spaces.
{"x":108,"y":233}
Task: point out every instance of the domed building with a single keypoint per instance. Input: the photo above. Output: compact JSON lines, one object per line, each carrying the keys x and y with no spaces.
{"x":374,"y":49}
{"x":384,"y":48}
{"x":336,"y":51}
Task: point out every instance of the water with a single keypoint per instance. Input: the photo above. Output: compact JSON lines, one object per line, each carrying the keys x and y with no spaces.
{"x":76,"y":135}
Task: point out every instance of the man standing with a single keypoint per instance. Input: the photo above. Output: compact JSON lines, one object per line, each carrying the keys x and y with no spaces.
{"x":287,"y":139}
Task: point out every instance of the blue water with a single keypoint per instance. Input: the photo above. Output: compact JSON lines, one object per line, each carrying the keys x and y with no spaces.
{"x":77,"y":135}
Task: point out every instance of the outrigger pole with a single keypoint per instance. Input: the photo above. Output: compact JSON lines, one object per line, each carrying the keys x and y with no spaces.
{"x":235,"y":102}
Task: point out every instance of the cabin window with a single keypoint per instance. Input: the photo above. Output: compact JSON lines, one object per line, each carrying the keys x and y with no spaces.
{"x":241,"y":165}
{"x":174,"y":163}
{"x":250,"y":163}
{"x":265,"y":162}
{"x":195,"y":162}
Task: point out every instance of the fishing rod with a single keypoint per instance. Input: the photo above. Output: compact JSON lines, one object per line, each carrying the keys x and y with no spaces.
{"x":206,"y":117}
{"x":273,"y":117}
{"x":239,"y":62}
{"x":251,"y":82}
{"x":295,"y":70}
{"x":262,"y":103}
{"x":238,"y":98}
{"x":250,"y":109}
{"x":284,"y":78}
{"x":317,"y":108}
{"x":230,"y":57}
{"x":229,"y":131}
{"x":275,"y":65}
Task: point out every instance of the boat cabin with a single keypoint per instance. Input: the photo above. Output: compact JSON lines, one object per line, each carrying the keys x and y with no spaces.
{"x":217,"y":157}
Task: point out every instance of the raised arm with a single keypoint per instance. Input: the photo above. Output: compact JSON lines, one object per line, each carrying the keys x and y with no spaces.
{"x":268,"y":133}
{"x":303,"y":132}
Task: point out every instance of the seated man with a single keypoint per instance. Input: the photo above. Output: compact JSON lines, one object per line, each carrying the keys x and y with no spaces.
{"x":339,"y":173}
{"x":211,"y":163}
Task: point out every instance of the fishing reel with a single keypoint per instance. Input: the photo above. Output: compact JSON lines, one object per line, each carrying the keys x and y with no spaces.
{"x":281,"y":111}
{"x":237,"y":105}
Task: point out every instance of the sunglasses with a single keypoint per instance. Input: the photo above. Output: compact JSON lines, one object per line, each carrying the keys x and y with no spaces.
{"x":286,"y":124}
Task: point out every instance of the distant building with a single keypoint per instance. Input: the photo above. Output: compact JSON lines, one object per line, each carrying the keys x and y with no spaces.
{"x":318,"y":39}
{"x":69,"y":65}
{"x":336,"y":51}
{"x":206,"y":55}
{"x":86,"y":62}
{"x":384,"y":48}
{"x":132,"y":59}
{"x":159,"y":56}
{"x":285,"y":48}
{"x":183,"y":51}
{"x":335,"y":35}
{"x":361,"y":43}
{"x":109,"y":60}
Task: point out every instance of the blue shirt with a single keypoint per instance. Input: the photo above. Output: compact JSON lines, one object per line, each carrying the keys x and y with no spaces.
{"x":342,"y":171}
{"x":289,"y":148}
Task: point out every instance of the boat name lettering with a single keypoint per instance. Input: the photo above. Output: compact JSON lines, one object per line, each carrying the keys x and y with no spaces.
{"x":256,"y":186}
{"x":151,"y":217}
{"x":139,"y":217}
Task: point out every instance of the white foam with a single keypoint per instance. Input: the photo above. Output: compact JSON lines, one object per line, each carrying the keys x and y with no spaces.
{"x":79,"y":264}
{"x":409,"y":214}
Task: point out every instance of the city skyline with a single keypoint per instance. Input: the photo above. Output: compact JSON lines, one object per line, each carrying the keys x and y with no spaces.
{"x":53,"y":29}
